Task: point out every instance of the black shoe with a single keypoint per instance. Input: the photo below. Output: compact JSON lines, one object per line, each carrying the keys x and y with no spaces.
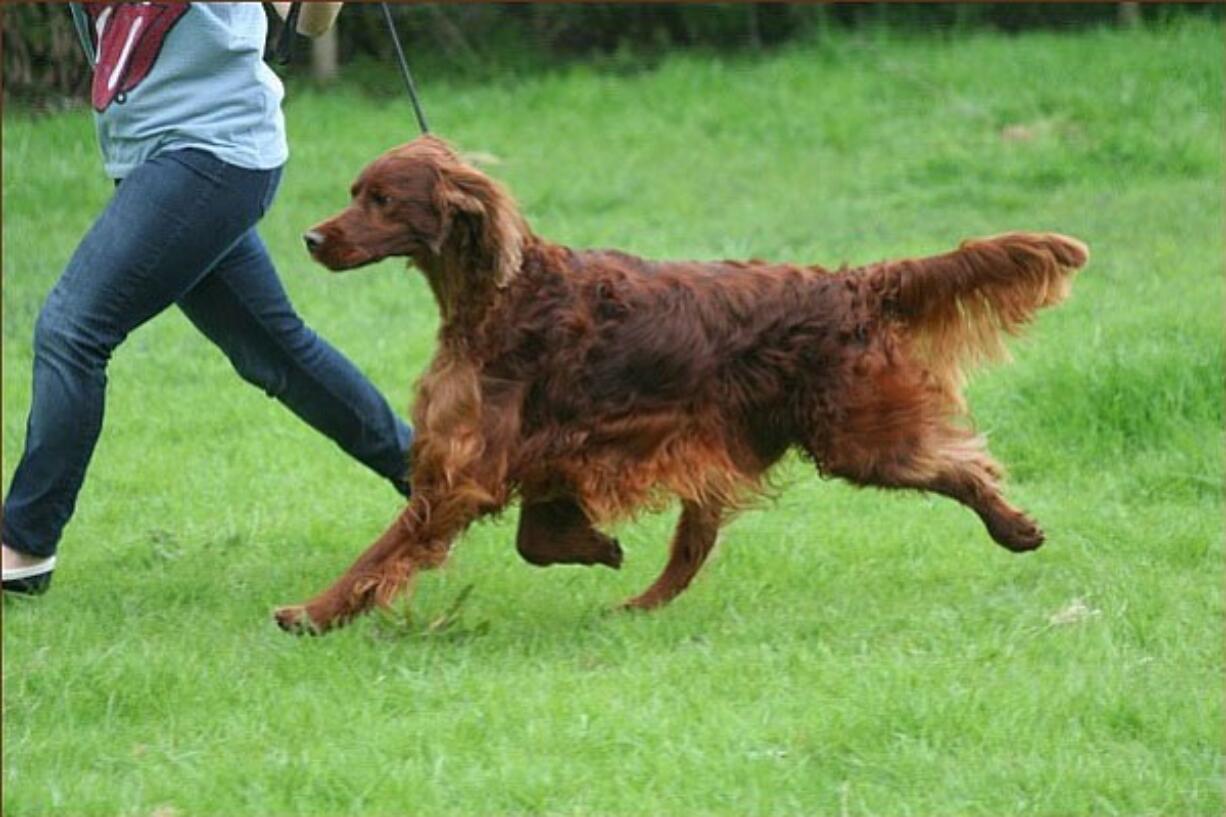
{"x":31,"y":580}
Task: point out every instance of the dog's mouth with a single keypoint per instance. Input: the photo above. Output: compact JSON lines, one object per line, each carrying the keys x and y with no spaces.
{"x":345,"y":262}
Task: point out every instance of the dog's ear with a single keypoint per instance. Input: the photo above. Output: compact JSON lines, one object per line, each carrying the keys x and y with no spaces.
{"x":480,"y":221}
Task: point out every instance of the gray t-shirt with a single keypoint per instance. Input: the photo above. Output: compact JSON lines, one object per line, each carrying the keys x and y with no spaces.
{"x":182,"y":75}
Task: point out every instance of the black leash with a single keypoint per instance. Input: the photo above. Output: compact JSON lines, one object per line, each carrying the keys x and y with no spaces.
{"x":404,"y":69}
{"x":284,"y":53}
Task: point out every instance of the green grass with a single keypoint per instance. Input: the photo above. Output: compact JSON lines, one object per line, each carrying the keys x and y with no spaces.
{"x":846,"y":652}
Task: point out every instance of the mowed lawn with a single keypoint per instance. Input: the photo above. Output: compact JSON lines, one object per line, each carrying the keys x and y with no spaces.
{"x":846,"y":651}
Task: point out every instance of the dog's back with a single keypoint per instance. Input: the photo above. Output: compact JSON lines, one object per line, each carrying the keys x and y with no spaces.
{"x":647,"y":375}
{"x":645,"y":378}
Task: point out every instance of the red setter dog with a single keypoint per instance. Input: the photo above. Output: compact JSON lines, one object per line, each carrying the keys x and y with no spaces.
{"x":591,"y":384}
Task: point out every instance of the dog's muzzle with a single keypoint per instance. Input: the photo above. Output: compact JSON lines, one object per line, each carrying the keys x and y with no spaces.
{"x":313,"y":240}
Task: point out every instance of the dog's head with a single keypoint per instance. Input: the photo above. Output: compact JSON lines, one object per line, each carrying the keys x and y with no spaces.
{"x":422,"y":201}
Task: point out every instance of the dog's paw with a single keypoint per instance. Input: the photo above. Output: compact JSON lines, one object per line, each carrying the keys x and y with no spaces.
{"x":613,"y":555}
{"x":1019,"y":534}
{"x":643,"y":602}
{"x":1031,"y":538}
{"x":296,"y":620}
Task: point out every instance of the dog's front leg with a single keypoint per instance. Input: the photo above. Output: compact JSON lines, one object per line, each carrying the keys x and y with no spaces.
{"x":419,"y":539}
{"x":557,"y":531}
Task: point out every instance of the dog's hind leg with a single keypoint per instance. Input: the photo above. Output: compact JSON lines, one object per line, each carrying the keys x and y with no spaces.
{"x":557,"y":531}
{"x":947,"y":460}
{"x":895,"y":429}
{"x":692,"y":542}
{"x":958,"y":466}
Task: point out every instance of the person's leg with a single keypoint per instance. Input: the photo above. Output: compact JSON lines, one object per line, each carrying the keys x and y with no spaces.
{"x":242,"y":307}
{"x":167,"y":223}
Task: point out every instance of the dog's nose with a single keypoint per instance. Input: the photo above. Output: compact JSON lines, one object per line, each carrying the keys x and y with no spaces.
{"x":313,"y":240}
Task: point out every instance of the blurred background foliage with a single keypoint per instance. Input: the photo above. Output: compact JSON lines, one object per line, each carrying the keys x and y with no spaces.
{"x":43,"y":66}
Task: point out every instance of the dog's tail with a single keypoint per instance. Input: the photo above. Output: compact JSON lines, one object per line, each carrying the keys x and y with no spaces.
{"x":958,"y":307}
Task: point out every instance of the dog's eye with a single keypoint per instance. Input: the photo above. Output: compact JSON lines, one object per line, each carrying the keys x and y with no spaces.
{"x":379,"y":199}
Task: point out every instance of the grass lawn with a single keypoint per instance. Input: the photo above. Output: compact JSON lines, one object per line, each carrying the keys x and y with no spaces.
{"x":845,"y":652}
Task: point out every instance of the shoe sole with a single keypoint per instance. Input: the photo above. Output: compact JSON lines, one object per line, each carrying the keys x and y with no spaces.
{"x":32,"y":586}
{"x":28,"y":583}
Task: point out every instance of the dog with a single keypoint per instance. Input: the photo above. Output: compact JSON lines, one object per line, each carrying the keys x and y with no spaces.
{"x":591,"y":384}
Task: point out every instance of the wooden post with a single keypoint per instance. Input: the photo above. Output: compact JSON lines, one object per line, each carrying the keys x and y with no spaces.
{"x":323,"y":57}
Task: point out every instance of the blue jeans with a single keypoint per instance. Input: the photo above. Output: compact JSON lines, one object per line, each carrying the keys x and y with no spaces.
{"x":180,"y":229}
